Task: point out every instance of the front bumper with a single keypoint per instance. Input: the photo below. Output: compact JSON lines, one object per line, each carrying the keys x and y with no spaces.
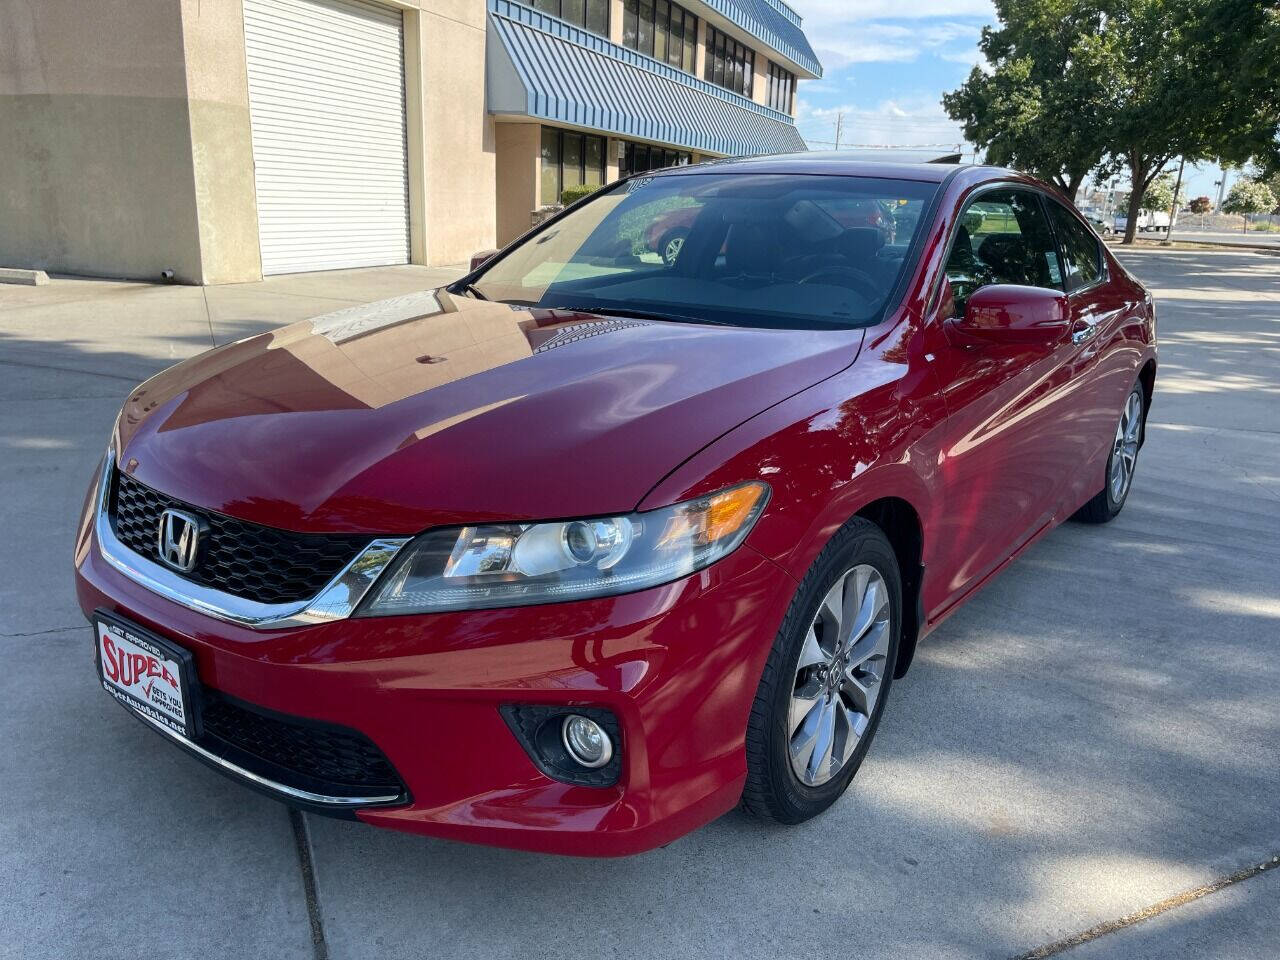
{"x":678,"y":666}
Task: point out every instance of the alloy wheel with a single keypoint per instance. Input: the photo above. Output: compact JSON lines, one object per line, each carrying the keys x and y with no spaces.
{"x":672,"y":250}
{"x":1124,"y":451}
{"x":839,"y":675}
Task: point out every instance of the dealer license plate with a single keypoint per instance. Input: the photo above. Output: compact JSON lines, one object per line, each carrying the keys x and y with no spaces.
{"x":149,"y":675}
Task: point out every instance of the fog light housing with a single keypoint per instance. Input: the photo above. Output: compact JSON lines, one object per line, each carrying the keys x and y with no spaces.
{"x":586,"y":741}
{"x":579,"y":744}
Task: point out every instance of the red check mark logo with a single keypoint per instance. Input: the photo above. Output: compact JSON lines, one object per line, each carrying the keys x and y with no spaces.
{"x":147,"y":688}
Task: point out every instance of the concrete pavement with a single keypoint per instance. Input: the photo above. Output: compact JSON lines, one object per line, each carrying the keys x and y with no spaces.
{"x":1097,"y":732}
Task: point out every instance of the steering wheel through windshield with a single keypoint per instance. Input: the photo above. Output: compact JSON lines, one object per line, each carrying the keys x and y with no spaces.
{"x":850,"y":277}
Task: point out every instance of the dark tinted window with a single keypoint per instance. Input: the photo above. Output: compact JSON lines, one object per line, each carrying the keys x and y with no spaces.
{"x":569,"y":160}
{"x":1080,"y":249}
{"x":782,"y":88}
{"x":640,"y":157}
{"x":592,"y":14}
{"x":1003,"y":237}
{"x":729,"y":63}
{"x":662,"y":30}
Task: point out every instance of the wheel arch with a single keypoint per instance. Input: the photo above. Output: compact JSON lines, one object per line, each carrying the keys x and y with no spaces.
{"x":1147,"y":377}
{"x":901,"y":525}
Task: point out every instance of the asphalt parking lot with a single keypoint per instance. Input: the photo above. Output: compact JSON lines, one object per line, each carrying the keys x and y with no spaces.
{"x":1095,"y":734}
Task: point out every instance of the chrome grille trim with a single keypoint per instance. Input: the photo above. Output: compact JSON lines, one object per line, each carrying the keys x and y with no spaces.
{"x":337,"y":601}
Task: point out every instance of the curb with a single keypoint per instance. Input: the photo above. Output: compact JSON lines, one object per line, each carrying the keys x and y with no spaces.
{"x":31,"y":278}
{"x":1185,"y":242}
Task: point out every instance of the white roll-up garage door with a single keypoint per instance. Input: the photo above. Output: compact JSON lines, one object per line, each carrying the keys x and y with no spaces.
{"x":326,"y":98}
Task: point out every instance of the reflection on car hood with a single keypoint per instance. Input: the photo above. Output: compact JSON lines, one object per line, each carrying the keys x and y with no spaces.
{"x":430,"y":409}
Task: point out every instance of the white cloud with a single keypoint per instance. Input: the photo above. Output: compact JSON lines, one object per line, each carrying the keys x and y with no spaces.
{"x":891,"y":123}
{"x":971,"y":57}
{"x":844,"y":32}
{"x":850,"y":11}
{"x":839,"y":45}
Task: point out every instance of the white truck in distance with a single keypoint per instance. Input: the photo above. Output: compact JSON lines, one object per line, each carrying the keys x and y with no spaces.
{"x":1149,"y":221}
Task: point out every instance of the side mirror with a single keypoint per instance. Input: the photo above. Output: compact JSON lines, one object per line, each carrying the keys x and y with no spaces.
{"x":1006,"y":313}
{"x":478,"y":260}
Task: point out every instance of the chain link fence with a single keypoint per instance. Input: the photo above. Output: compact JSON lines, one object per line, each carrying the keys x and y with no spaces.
{"x":1227,"y":223}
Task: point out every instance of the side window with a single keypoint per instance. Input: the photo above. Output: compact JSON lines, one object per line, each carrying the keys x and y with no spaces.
{"x":1080,"y":249}
{"x":1002,"y":237}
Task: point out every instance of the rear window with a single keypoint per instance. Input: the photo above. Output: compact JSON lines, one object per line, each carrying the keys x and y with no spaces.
{"x":745,"y":249}
{"x":1080,"y":249}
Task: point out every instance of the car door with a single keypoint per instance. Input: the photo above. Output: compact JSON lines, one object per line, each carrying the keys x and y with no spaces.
{"x":1102,"y":371}
{"x":1006,"y":456}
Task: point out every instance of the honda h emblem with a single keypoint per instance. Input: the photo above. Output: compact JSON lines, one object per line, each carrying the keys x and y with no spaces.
{"x":179,"y":540}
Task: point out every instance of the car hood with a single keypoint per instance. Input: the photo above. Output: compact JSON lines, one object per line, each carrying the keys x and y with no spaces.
{"x":430,"y":409}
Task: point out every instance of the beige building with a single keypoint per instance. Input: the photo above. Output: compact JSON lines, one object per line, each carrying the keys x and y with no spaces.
{"x":222,"y":140}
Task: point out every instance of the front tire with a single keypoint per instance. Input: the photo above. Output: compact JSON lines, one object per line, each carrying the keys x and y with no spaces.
{"x":1121,"y":463}
{"x":671,"y":244}
{"x":827,"y":680}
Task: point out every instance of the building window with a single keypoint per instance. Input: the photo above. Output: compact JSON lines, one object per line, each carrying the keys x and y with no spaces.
{"x":639,"y":157}
{"x":569,"y":160}
{"x":592,"y":14}
{"x":662,"y":30}
{"x":729,"y":63}
{"x":782,"y":88}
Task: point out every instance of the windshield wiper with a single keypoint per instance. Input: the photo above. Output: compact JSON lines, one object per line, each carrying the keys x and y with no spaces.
{"x":607,"y":311}
{"x":472,"y":289}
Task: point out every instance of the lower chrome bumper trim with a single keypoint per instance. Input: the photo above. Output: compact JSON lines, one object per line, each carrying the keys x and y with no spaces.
{"x":283,"y":790}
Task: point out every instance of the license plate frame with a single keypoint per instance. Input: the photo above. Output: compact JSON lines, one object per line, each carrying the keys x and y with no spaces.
{"x":154,"y":706}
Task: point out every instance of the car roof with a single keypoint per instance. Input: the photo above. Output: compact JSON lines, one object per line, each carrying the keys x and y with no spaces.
{"x":831,"y":162}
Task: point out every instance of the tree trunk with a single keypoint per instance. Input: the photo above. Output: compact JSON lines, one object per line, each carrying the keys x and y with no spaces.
{"x":1135,"y":208}
{"x":1074,"y":187}
{"x":1138,"y":179}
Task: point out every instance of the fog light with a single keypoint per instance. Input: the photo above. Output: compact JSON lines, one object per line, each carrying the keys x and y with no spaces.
{"x":586,"y":741}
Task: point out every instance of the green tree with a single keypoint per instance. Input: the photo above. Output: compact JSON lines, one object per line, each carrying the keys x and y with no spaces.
{"x":1159,"y":195}
{"x":1036,"y":107}
{"x":1273,"y":181}
{"x":1249,"y":196}
{"x":1192,"y":78}
{"x":1238,"y":60}
{"x":1134,"y":83}
{"x":1143,"y":57}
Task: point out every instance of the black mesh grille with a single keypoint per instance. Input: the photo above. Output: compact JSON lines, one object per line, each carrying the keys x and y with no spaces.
{"x":334,"y":761}
{"x":244,"y":559}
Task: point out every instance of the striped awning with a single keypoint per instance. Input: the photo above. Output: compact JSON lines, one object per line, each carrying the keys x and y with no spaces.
{"x":774,"y":22}
{"x":541,"y":67}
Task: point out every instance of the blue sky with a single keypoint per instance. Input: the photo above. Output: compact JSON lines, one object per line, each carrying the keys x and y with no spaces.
{"x":887,"y":64}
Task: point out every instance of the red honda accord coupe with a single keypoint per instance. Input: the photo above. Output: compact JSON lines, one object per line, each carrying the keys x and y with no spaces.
{"x":584,"y":550}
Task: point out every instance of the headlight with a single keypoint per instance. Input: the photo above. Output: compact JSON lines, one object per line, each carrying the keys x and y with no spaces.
{"x":514,"y":564}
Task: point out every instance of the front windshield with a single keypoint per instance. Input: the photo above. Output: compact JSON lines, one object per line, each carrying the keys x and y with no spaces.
{"x":770,"y":250}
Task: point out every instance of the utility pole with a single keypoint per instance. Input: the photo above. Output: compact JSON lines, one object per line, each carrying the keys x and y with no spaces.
{"x":1222,"y":190}
{"x":839,"y":124}
{"x":1173,"y":209}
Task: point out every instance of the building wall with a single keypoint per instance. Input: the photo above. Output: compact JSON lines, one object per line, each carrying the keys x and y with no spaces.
{"x":518,"y":170}
{"x":458,"y":136}
{"x":127,"y":145}
{"x":221,"y":140}
{"x":760,"y":78}
{"x":96,"y":172}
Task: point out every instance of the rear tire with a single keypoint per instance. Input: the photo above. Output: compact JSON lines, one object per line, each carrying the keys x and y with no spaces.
{"x":827,"y":679}
{"x":1121,"y":462}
